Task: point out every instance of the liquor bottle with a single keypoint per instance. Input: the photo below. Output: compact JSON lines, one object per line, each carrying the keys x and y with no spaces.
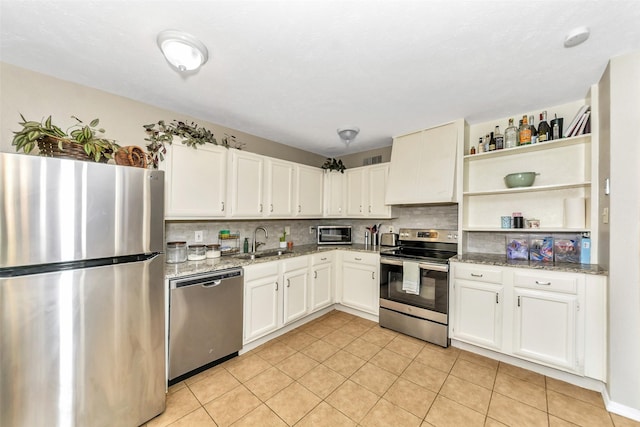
{"x":486,"y":143}
{"x":534,"y":132}
{"x":525,"y":132}
{"x":511,"y":135}
{"x":480,"y":146}
{"x":499,"y":138}
{"x":544,"y":131}
{"x":492,"y":143}
{"x":472,"y":150}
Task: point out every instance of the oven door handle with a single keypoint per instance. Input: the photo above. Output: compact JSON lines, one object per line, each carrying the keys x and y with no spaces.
{"x":434,"y":267}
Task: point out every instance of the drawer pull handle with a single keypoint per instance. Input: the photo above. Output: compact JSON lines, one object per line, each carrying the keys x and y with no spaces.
{"x":358,"y":259}
{"x":276,"y":285}
{"x":271,"y":208}
{"x":222,"y":206}
{"x":315,"y":274}
{"x":476,"y":275}
{"x":288,"y":283}
{"x":518,"y":301}
{"x":497,"y":299}
{"x":373,"y":275}
{"x":543,"y":283}
{"x":323,"y":259}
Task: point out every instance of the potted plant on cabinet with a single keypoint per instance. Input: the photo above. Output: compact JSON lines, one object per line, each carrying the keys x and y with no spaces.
{"x":334,"y":165}
{"x":159,"y":134}
{"x":80,"y":141}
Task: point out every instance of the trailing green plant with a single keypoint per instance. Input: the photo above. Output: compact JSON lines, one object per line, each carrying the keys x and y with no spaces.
{"x":334,"y":165}
{"x":85,"y":135}
{"x":159,"y":134}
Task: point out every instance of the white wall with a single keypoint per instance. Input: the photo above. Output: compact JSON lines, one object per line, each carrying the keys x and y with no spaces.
{"x":37,"y":96}
{"x":624,"y":260}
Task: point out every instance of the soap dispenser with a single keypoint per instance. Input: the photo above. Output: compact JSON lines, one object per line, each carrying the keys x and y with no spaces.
{"x":245,"y":246}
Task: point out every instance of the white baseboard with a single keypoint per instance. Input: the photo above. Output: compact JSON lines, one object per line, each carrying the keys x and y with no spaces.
{"x":619,"y":409}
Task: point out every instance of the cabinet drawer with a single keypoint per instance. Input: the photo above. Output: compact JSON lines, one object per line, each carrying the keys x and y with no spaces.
{"x":360,"y":257}
{"x":295,"y":263}
{"x":258,"y":271}
{"x":478,"y":273}
{"x":322,"y":258}
{"x":566,"y":283}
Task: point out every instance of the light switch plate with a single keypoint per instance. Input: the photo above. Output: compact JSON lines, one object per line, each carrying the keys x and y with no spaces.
{"x":199,"y":237}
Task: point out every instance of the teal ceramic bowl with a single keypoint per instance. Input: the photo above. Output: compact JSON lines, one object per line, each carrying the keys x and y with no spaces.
{"x":520,"y":179}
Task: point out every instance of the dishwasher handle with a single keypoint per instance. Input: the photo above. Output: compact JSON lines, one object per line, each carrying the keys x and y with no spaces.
{"x":211,"y":284}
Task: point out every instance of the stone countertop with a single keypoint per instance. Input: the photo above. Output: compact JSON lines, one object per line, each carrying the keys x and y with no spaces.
{"x":501,"y":260}
{"x":230,"y":261}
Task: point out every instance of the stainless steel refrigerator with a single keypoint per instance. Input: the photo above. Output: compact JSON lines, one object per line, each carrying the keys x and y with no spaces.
{"x":82,"y":298}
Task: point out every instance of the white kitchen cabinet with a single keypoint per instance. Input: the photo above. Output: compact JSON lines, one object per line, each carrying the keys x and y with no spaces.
{"x":322,"y":278}
{"x":365,"y":188}
{"x":335,"y":194}
{"x":278,"y":191}
{"x":276,"y":293}
{"x":295,"y":281}
{"x":548,"y":322}
{"x":308,"y":191}
{"x":424,"y":166}
{"x":246,"y":184}
{"x":359,"y":281}
{"x":262,"y":289}
{"x":195,"y":181}
{"x":479,"y":306}
{"x":543,"y":316}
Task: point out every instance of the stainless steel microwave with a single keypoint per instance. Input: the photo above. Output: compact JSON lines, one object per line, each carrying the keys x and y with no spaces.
{"x":334,"y":235}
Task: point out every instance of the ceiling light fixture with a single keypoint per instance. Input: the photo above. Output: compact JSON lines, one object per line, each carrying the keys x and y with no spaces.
{"x":183,"y":51}
{"x":348,"y":134}
{"x":576,"y":36}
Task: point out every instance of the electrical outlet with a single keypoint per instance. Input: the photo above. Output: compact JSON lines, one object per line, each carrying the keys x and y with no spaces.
{"x":287,"y":230}
{"x":310,"y":230}
{"x":199,"y":236}
{"x":391,"y":229}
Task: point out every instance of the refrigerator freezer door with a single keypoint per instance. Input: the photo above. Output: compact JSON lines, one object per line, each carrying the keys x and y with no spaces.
{"x":83,"y":347}
{"x":56,"y":210}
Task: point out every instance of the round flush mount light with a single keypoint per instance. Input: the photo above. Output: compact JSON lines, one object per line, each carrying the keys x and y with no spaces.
{"x":182,"y":50}
{"x":576,"y":37}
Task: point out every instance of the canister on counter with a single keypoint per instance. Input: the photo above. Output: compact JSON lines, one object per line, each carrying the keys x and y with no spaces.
{"x":176,"y":252}
{"x":518,"y":220}
{"x":196,"y":253}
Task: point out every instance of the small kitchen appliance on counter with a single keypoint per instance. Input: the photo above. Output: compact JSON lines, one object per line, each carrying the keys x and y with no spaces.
{"x":389,"y":239}
{"x":414,"y":284}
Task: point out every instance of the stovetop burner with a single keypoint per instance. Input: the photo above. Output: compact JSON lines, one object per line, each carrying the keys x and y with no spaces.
{"x":431,"y":245}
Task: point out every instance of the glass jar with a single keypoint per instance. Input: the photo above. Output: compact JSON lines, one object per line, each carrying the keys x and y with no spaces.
{"x":176,"y":252}
{"x":213,"y":251}
{"x":196,"y":253}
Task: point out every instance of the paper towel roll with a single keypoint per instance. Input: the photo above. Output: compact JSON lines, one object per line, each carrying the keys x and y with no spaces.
{"x":574,"y":216}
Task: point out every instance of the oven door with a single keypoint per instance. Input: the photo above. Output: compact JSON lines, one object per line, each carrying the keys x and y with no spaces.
{"x":433,"y":296}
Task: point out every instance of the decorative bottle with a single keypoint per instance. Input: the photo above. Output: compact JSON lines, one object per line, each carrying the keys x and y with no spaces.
{"x":525,"y":132}
{"x":499,"y":138}
{"x":544,"y":131}
{"x":534,"y":132}
{"x":510,"y":135}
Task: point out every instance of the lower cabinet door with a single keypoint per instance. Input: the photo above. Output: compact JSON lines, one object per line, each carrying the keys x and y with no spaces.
{"x":360,"y":288}
{"x":321,"y":286}
{"x":261,"y":307}
{"x":295,"y":285}
{"x":545,"y":328}
{"x":477,"y":317}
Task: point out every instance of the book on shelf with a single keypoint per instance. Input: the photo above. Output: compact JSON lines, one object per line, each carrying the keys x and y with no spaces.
{"x":583,"y":125}
{"x":569,"y":130}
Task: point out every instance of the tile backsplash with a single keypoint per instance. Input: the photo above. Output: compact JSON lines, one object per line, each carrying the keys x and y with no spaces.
{"x":437,"y":216}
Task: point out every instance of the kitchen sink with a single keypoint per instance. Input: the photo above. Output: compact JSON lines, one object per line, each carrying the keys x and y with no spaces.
{"x":264,"y":254}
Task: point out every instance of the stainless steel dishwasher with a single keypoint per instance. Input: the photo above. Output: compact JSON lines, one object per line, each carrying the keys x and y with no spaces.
{"x":205,"y":321}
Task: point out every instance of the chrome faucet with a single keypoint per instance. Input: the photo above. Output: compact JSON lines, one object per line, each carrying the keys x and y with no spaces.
{"x":256,"y":245}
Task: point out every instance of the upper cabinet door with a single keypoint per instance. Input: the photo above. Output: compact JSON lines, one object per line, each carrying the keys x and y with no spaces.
{"x":246,"y":184}
{"x":309,"y":192}
{"x":356,"y":194}
{"x":195,"y":181}
{"x":423,"y":166}
{"x":334,"y":194}
{"x":279,"y":188}
{"x":378,"y":176}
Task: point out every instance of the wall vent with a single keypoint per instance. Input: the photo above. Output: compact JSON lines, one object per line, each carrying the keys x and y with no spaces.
{"x":372,"y":160}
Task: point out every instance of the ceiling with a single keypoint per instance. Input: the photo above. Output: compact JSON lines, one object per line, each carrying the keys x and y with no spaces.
{"x":295,"y":71}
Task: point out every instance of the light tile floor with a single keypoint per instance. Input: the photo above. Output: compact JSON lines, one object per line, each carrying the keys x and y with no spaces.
{"x":342,"y":370}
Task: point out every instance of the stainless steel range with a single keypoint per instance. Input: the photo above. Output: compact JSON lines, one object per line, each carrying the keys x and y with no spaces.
{"x":414,"y":284}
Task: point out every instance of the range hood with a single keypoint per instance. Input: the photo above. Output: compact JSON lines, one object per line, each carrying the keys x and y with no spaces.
{"x":424,"y":165}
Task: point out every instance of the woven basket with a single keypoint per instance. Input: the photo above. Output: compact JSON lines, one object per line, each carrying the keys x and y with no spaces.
{"x":49,"y":146}
{"x":131,"y":156}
